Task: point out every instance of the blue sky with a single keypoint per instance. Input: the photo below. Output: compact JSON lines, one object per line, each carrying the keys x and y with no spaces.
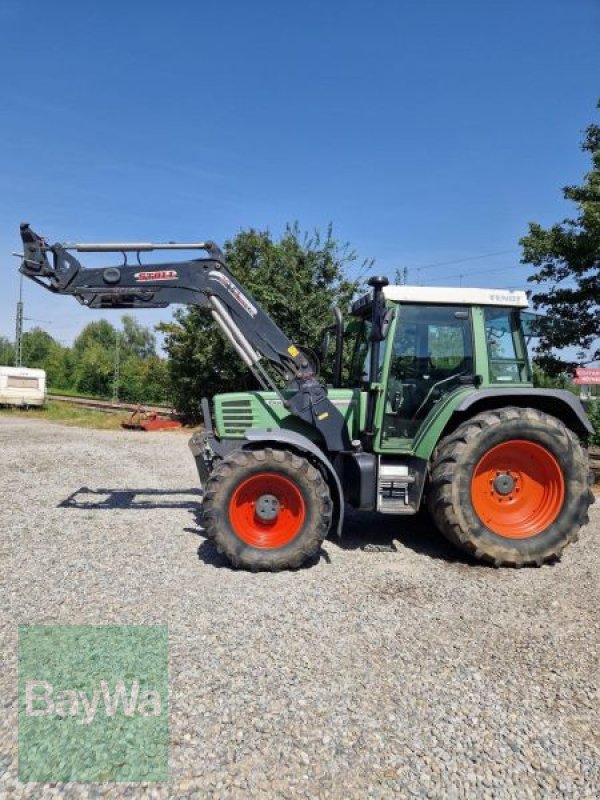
{"x":427,"y":132}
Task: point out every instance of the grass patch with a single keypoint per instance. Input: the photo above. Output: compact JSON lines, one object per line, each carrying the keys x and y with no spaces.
{"x":66,"y":414}
{"x":73,"y":393}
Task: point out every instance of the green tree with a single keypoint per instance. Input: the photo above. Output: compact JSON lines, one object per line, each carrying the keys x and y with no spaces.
{"x":296,"y":279}
{"x":136,"y":340}
{"x":567,"y":258}
{"x":93,"y":369}
{"x":36,"y":345}
{"x":100,"y":332}
{"x":7,"y":352}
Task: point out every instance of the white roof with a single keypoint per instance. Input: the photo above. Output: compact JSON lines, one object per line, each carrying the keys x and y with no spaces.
{"x":23,"y":372}
{"x":456,"y":296}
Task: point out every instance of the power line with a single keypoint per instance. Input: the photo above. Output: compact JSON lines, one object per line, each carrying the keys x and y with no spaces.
{"x":464,"y":260}
{"x":460,"y":275}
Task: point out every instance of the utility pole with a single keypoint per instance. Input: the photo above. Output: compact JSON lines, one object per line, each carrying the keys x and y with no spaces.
{"x":402,"y":276}
{"x":19,"y":328}
{"x":115,"y":397}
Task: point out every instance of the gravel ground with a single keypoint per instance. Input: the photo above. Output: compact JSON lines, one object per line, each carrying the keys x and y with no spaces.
{"x":367,"y":674}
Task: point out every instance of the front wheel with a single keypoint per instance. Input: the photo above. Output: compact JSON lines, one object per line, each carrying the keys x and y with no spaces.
{"x":267,"y":509}
{"x":511,"y":486}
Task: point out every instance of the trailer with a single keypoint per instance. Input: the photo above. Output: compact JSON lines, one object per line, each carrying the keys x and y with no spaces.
{"x":21,"y":386}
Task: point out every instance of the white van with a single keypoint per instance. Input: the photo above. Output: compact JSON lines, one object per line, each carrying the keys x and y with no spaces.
{"x":21,"y":386}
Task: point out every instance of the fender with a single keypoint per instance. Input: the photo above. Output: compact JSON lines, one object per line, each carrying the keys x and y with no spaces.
{"x":458,"y":406}
{"x":300,"y":443}
{"x":548,"y":400}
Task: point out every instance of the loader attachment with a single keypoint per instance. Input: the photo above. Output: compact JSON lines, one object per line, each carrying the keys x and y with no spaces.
{"x":206,"y":282}
{"x":36,"y":265}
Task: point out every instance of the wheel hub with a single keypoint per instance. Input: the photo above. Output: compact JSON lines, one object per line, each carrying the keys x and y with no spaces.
{"x":504,"y":483}
{"x":267,"y":507}
{"x":267,"y":510}
{"x":518,"y":489}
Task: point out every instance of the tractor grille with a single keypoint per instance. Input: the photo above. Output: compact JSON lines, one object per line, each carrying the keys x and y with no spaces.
{"x":238,"y":416}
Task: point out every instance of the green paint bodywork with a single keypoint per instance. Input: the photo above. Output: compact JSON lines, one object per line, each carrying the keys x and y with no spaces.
{"x":237,"y":412}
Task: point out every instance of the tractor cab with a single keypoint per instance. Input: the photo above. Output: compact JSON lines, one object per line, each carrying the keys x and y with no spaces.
{"x":433,"y":343}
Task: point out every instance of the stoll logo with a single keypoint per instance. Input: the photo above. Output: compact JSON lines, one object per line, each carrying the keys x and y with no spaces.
{"x":93,"y":703}
{"x":156,"y":275}
{"x":41,"y":700}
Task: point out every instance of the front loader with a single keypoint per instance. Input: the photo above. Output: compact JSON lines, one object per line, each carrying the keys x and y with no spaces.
{"x":439,"y":409}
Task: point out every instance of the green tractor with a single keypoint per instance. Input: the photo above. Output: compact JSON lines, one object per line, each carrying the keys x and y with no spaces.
{"x":438,"y":408}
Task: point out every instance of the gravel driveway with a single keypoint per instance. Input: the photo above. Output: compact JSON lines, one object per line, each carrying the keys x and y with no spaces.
{"x":368,"y":674}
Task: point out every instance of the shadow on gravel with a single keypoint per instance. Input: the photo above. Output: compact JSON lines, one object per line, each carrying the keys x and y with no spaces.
{"x":373,"y":532}
{"x":102,"y":499}
{"x":370,"y":532}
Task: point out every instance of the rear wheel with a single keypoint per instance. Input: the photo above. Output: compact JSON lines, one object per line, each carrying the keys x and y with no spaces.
{"x":267,"y":509}
{"x":511,"y":486}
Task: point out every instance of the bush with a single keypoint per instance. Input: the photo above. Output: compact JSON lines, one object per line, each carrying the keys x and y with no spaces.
{"x":594,"y":415}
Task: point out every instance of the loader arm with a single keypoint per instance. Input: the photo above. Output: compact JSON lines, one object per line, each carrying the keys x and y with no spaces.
{"x":204,"y":282}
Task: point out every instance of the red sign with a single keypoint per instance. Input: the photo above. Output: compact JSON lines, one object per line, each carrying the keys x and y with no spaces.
{"x":157,"y":275}
{"x":585,"y":372}
{"x":593,"y":379}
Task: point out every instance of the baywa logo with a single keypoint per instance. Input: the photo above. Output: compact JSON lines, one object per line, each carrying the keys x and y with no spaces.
{"x":93,"y":703}
{"x":41,"y":701}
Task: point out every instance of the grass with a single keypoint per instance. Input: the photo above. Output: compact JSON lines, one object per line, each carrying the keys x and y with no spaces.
{"x":66,"y":414}
{"x":73,"y":393}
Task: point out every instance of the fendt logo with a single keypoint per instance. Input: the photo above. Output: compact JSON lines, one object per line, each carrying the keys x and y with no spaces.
{"x":505,"y":298}
{"x":157,"y":275}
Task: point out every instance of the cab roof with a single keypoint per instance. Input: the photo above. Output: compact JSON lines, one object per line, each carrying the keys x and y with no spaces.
{"x":433,"y":295}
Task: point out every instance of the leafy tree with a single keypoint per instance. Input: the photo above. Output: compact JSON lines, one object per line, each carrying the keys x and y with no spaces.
{"x":144,"y":380}
{"x":7,"y":352}
{"x":93,"y":369}
{"x":544,"y":381}
{"x":136,"y":340}
{"x":100,"y":332}
{"x":58,"y":366}
{"x":36,"y":345}
{"x":296,"y":279}
{"x":567,"y":258}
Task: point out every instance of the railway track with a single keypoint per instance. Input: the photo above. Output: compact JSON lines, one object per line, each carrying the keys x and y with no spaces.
{"x":108,"y":405}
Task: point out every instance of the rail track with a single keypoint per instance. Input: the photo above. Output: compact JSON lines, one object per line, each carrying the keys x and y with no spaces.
{"x":109,"y":406}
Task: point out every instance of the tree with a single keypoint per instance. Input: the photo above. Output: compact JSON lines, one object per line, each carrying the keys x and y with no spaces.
{"x":100,"y":332}
{"x":7,"y":352}
{"x":567,"y":257}
{"x":296,"y":279}
{"x":36,"y":345}
{"x":136,"y":340}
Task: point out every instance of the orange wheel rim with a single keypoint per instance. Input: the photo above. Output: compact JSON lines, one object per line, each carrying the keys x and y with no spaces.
{"x":518,"y":489}
{"x":267,"y":510}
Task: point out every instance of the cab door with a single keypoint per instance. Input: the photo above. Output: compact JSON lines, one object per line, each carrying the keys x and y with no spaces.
{"x":431,"y":351}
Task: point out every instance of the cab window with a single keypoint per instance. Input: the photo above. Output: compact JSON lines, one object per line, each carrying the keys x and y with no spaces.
{"x":507,"y":352}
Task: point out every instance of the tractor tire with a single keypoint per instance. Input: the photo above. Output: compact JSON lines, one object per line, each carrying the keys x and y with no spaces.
{"x":267,"y":509}
{"x":510,"y":486}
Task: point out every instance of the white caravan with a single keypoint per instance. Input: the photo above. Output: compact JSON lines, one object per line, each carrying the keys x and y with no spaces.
{"x":21,"y":386}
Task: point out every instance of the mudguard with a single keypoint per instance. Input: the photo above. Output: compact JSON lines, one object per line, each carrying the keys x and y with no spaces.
{"x":551,"y":401}
{"x":299,"y":443}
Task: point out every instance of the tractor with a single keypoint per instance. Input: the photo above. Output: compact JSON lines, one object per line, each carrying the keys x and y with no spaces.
{"x":436,"y":412}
